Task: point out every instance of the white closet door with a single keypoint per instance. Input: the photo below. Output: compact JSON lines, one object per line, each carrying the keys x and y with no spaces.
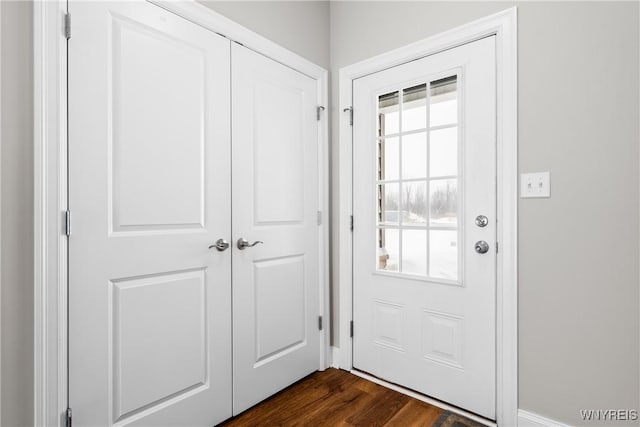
{"x":275,"y":283}
{"x":149,"y":173}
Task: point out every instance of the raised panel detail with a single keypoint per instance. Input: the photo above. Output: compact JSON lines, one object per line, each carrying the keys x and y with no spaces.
{"x":388,"y":324}
{"x":442,"y":337}
{"x":157,"y":132}
{"x":278,"y":153}
{"x":159,"y":343}
{"x":279,"y":307}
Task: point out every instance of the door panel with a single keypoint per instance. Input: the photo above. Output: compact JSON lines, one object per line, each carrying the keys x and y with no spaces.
{"x":424,"y":168}
{"x":149,"y":174}
{"x":140,"y":164}
{"x":275,"y":283}
{"x":172,"y":304}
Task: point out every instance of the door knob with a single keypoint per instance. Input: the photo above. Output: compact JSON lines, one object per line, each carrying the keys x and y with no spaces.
{"x":221,"y":245}
{"x":243,"y":243}
{"x":481,"y":247}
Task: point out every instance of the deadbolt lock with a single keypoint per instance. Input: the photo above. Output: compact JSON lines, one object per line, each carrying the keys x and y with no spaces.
{"x":482,"y":221}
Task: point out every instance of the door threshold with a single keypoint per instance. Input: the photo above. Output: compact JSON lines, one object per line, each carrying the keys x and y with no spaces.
{"x":423,"y":398}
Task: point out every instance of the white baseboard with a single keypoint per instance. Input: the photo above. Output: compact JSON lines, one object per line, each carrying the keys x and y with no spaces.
{"x":335,"y":357}
{"x":528,"y":419}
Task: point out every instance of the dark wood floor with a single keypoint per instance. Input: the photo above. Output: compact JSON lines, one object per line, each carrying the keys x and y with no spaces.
{"x":338,"y":398}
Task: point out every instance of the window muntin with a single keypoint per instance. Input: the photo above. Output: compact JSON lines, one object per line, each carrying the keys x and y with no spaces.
{"x":418,"y":181}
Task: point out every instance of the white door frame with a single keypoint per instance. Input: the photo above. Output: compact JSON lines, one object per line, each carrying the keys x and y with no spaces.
{"x":504,"y":26}
{"x":50,"y":178}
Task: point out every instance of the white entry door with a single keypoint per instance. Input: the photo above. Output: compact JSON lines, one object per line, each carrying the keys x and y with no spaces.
{"x":149,"y":192}
{"x":425,"y":225}
{"x":275,"y":197}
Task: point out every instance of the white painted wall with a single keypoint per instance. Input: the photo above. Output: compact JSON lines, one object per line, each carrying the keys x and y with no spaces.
{"x":17,"y":214}
{"x":579,"y":250}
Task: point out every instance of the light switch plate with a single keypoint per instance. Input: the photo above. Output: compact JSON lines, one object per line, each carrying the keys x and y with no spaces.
{"x":535,"y":185}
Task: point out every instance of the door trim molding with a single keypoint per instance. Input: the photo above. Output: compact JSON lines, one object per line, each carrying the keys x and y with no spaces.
{"x":504,"y":26}
{"x":50,"y":201}
{"x":50,"y":192}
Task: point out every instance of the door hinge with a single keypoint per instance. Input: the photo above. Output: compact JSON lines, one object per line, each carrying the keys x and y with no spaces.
{"x":351,"y":223}
{"x":68,"y":418}
{"x":351,"y":329}
{"x":67,"y":26}
{"x":350,"y":110}
{"x":496,"y":247}
{"x":319,"y":110}
{"x":319,"y":217}
{"x":67,"y":223}
{"x":320,"y":323}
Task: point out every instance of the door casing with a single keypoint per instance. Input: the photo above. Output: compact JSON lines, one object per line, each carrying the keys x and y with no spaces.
{"x":504,"y":26}
{"x":50,"y":192}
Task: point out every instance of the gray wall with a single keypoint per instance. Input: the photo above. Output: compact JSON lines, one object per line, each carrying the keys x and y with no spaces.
{"x":300,"y":26}
{"x":17,"y":214}
{"x":578,"y":118}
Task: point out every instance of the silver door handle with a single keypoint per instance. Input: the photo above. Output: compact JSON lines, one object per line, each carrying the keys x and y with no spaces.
{"x":482,"y":247}
{"x":243,"y":243}
{"x":221,"y":245}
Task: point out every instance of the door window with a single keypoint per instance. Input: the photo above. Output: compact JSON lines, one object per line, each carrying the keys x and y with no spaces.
{"x":418,"y":180}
